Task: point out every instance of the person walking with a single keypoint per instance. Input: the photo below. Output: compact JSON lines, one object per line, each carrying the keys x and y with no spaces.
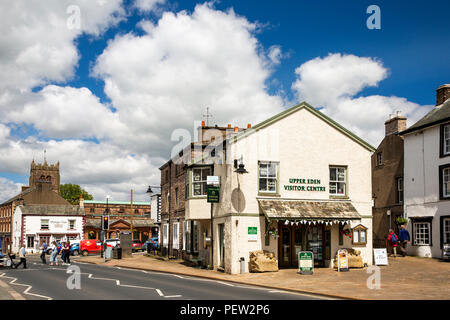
{"x":66,"y":250}
{"x":393,"y":240}
{"x":54,"y":255}
{"x":43,"y":252}
{"x":23,"y":260}
{"x":403,"y":237}
{"x":63,"y":253}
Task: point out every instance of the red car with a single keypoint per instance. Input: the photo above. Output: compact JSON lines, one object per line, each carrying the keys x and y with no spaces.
{"x":136,"y":246}
{"x":90,"y":246}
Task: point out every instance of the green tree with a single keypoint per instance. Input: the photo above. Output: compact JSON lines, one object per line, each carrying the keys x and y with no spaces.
{"x":72,"y":192}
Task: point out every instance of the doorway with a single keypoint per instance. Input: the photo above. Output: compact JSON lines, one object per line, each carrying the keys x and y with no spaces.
{"x":222,"y":245}
{"x":290,"y":243}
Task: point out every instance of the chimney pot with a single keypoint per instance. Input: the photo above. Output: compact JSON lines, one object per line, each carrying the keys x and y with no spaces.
{"x":203,"y":123}
{"x":249,"y":126}
{"x":236,"y":129}
{"x":229,"y":126}
{"x":395,"y":124}
{"x":442,"y":94}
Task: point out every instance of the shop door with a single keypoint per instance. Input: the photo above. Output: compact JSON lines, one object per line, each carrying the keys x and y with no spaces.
{"x":222,"y":245}
{"x":296,"y":244}
{"x":315,"y":243}
{"x":284,"y":246}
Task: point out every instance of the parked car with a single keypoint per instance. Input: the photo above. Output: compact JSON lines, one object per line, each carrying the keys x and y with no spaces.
{"x":112,"y":242}
{"x":90,"y":246}
{"x":152,"y":243}
{"x":75,"y":249}
{"x":136,"y":245}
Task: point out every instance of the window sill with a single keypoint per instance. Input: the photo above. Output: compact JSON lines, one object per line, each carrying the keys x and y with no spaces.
{"x":359,"y":244}
{"x":268,"y":194}
{"x":197,"y":197}
{"x":345,"y":197}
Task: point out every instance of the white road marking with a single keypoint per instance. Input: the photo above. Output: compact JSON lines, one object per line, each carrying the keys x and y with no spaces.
{"x":25,"y":285}
{"x":159,"y":292}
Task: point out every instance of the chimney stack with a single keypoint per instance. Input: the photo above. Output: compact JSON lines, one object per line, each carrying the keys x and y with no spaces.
{"x":442,"y":94}
{"x":395,"y":124}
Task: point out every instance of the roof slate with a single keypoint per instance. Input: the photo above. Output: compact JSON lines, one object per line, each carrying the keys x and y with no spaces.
{"x":285,"y":209}
{"x":438,"y":115}
{"x":48,"y":210}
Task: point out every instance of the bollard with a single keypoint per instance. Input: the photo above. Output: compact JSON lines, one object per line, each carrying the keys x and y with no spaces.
{"x":242,"y":260}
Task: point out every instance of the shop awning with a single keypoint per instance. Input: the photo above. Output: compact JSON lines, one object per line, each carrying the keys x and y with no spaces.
{"x":308,"y":210}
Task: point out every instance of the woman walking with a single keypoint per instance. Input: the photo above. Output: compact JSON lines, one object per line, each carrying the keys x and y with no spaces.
{"x":54,"y":255}
{"x":66,"y":250}
{"x":63,"y":253}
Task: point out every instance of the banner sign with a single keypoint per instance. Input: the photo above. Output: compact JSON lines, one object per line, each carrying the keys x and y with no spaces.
{"x":380,"y":257}
{"x":305,"y":262}
{"x":213,"y":194}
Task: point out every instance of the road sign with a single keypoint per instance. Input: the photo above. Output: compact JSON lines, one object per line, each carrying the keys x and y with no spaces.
{"x":380,"y":257}
{"x":213,"y":180}
{"x":342,"y":260}
{"x":305,"y":262}
{"x":213,"y":194}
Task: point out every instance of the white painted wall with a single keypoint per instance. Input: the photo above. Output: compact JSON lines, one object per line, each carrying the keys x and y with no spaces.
{"x":421,"y":185}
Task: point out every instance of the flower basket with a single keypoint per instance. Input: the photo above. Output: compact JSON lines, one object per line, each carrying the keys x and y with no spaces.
{"x":401,"y":220}
{"x":347,"y":233}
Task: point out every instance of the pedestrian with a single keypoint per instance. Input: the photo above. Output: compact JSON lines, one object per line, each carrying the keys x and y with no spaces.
{"x":63,"y":253}
{"x":66,"y":250}
{"x":54,"y":255}
{"x":23,"y":260}
{"x":403,"y":237}
{"x":43,"y":251}
{"x":393,"y":240}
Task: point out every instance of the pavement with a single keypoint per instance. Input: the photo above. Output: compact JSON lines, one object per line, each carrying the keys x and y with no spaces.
{"x":405,"y":278}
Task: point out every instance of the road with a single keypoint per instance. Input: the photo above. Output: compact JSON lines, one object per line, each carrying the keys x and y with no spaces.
{"x":45,"y":282}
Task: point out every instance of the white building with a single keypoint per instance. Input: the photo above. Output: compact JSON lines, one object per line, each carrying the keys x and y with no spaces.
{"x":155,"y":212}
{"x":308,"y":180}
{"x":32,"y":224}
{"x":427,"y":179}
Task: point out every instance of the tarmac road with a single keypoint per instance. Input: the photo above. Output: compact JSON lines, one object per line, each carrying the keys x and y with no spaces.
{"x":45,"y":282}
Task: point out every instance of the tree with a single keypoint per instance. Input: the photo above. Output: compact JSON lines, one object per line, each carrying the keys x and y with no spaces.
{"x":72,"y":192}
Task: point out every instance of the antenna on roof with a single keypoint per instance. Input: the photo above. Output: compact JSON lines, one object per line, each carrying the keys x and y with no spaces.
{"x":207,"y":116}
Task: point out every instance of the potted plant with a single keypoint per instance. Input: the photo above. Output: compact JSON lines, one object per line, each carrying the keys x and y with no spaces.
{"x":401,"y":220}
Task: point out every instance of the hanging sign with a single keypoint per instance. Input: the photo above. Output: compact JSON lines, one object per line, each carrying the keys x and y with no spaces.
{"x":252,"y":233}
{"x":342,"y":260}
{"x":213,"y":194}
{"x":305,"y":262}
{"x":380,"y":257}
{"x":213,"y":180}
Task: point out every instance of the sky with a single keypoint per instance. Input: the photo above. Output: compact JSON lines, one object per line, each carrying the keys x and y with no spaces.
{"x":102,"y":85}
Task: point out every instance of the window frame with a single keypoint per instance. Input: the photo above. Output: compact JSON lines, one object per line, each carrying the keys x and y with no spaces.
{"x":165,"y":242}
{"x":400,"y":191}
{"x":277,"y":177}
{"x":345,"y":182}
{"x":202,"y":182}
{"x":379,"y":158}
{"x":48,"y":224}
{"x":74,"y":223}
{"x":443,"y":220}
{"x":442,"y":168}
{"x":425,"y":221}
{"x":28,"y":241}
{"x":442,"y":152}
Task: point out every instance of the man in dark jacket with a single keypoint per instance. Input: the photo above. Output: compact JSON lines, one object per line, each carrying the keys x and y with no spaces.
{"x":403,"y":236}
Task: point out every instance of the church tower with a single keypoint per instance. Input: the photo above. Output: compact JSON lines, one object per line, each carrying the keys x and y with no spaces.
{"x":45,"y":172}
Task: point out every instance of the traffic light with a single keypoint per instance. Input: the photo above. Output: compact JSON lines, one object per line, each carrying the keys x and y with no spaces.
{"x":105,"y":222}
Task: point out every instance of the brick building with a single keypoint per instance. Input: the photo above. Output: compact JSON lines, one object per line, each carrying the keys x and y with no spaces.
{"x":43,"y":189}
{"x":121,"y":216}
{"x":387,"y":180}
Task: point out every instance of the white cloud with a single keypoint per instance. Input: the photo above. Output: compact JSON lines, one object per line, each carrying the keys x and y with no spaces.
{"x":148,"y":5}
{"x":8,"y":189}
{"x":333,"y":82}
{"x":275,"y":54}
{"x":166,"y":78}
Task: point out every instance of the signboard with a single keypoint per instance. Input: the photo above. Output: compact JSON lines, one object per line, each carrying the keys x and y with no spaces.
{"x":342,"y":260}
{"x":380,"y":257}
{"x":252,"y":233}
{"x":213,"y":194}
{"x":305,"y":262}
{"x":213,"y":180}
{"x":303,"y":184}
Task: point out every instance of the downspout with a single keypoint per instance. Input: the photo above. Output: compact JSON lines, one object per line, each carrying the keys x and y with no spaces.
{"x":169,"y":200}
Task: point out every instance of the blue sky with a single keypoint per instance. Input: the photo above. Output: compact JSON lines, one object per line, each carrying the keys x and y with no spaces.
{"x":110,"y":139}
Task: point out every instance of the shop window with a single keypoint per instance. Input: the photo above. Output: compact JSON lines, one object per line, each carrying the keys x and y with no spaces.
{"x":199,"y":181}
{"x":444,"y":181}
{"x":30,"y":242}
{"x":338,"y":181}
{"x":44,"y":224}
{"x":359,"y":235}
{"x":268,"y":177}
{"x":421,"y":233}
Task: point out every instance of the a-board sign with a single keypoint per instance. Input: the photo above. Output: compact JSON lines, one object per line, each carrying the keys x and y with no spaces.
{"x":213,"y":194}
{"x":380,"y":257}
{"x":342,"y":260}
{"x":252,"y":233}
{"x":305,"y":262}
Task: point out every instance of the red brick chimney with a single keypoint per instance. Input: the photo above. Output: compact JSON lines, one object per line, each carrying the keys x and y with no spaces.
{"x":442,"y":94}
{"x":395,"y":124}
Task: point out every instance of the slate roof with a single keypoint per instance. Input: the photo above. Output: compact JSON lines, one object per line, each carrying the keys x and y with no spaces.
{"x":48,"y":210}
{"x":308,"y":210}
{"x":438,"y":115}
